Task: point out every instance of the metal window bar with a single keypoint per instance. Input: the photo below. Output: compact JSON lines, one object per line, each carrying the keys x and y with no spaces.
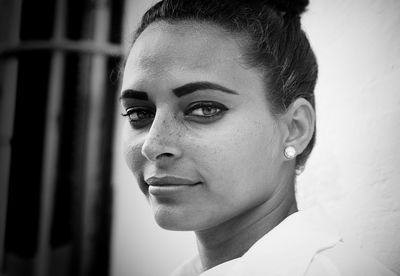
{"x":95,"y":53}
{"x":9,"y":29}
{"x":51,"y":142}
{"x":96,"y":95}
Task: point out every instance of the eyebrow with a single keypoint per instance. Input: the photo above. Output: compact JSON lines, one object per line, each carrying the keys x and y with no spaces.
{"x":134,"y":94}
{"x":179,"y":91}
{"x":203,"y":85}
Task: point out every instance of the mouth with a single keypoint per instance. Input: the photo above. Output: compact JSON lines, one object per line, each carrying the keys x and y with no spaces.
{"x":166,"y":185}
{"x":170,"y":181}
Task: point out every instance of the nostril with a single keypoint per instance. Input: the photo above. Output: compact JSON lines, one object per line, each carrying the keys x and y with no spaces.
{"x":165,"y":154}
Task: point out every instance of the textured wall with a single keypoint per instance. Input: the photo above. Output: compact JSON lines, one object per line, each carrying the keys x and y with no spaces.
{"x":355,"y":168}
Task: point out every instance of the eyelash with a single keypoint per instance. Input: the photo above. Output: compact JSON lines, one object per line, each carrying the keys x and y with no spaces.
{"x":219,"y":110}
{"x":139,"y":122}
{"x":202,"y":105}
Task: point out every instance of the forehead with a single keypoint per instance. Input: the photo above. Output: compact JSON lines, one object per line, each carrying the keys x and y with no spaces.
{"x":189,"y":45}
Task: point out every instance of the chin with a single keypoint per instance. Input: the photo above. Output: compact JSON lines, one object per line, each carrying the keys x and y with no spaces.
{"x":176,"y":221}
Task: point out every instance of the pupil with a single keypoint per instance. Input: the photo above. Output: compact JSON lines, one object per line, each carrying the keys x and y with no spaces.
{"x":139,"y":115}
{"x":208,"y":110}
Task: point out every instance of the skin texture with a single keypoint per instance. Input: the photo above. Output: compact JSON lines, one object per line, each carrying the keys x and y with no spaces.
{"x":246,"y":184}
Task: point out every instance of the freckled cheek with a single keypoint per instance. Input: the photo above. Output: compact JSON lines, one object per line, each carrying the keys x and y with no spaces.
{"x":132,"y":151}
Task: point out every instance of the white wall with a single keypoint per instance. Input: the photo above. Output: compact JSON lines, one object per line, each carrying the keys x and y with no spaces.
{"x":354,"y":170}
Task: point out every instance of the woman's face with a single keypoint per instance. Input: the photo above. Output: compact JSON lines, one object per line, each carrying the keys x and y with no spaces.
{"x":199,"y":135}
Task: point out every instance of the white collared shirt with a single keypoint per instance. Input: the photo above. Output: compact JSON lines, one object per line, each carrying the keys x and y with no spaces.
{"x":304,"y":244}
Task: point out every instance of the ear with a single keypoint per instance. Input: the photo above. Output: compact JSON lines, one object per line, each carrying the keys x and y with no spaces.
{"x":299,"y":122}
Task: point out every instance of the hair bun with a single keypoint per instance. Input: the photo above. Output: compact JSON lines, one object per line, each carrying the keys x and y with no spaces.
{"x":292,"y":7}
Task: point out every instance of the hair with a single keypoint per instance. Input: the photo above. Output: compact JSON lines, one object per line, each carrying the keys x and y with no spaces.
{"x":275,"y":43}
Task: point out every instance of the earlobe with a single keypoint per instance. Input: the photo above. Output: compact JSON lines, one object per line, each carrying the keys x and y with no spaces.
{"x":300,"y":123}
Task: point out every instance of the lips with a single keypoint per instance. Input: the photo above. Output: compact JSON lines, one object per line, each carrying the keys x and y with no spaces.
{"x":170,"y":181}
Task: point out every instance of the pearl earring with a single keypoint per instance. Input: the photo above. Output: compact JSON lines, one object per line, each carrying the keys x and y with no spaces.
{"x":290,"y":152}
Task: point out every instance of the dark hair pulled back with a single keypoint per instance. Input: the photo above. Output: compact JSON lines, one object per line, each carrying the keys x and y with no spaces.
{"x":276,"y":44}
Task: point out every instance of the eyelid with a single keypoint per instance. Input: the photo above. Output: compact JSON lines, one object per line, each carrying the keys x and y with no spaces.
{"x":199,"y":104}
{"x":130,"y":109}
{"x":205,"y":118}
{"x":139,"y":123}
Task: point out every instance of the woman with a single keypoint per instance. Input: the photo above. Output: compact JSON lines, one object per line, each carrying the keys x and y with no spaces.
{"x":219,"y":102}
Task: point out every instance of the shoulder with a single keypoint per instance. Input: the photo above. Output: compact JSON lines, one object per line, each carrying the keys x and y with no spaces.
{"x":344,"y":260}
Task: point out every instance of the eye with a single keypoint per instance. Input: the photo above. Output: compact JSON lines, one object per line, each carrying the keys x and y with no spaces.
{"x":139,"y":117}
{"x":205,"y":110}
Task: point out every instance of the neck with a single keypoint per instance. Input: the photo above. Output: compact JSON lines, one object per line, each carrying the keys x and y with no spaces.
{"x":234,"y":237}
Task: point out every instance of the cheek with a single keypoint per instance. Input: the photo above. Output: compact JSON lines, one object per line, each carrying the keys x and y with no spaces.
{"x":132,"y":148}
{"x":242,"y":160}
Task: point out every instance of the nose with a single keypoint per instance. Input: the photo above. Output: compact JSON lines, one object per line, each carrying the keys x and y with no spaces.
{"x":162,"y":143}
